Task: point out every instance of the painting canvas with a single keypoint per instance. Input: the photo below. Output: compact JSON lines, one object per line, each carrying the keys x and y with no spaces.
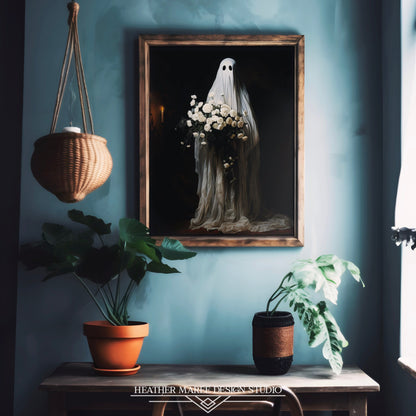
{"x":221,"y":139}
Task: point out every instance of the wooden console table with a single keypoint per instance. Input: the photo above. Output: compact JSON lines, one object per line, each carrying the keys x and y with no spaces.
{"x":75,"y":386}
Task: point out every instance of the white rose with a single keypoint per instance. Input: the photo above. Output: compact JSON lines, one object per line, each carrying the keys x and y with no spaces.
{"x":207,"y":127}
{"x":244,"y":139}
{"x":200,"y":104}
{"x":220,"y":120}
{"x":193,"y":96}
{"x":189,"y":113}
{"x":233,"y":113}
{"x":202,"y":135}
{"x":234,"y":124}
{"x":224,"y":112}
{"x":192,"y":103}
{"x":216,"y":126}
{"x":226,"y":165}
{"x":214,"y":118}
{"x":240,"y":124}
{"x":195,"y":117}
{"x":189,"y":123}
{"x":195,"y":135}
{"x":203,"y":143}
{"x":229,"y":120}
{"x":216,"y":111}
{"x":209,"y":120}
{"x":201,"y":117}
{"x":207,"y":108}
{"x":240,"y":135}
{"x":221,"y":126}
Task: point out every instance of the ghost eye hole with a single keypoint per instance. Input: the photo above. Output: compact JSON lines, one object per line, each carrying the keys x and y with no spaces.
{"x":230,"y":68}
{"x":224,"y":68}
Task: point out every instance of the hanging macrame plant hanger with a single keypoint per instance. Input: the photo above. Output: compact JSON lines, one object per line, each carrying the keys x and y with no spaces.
{"x":72,"y":164}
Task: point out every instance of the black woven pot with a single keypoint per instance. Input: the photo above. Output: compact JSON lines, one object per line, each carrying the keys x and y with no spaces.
{"x":273,"y":342}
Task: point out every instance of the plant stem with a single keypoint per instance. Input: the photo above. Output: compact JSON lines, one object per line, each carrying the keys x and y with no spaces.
{"x":119,"y":277}
{"x":105,"y":297}
{"x":109,"y":291}
{"x":127,"y":293}
{"x":94,"y":299}
{"x":115,"y":319}
{"x":276,"y":294}
{"x":280,"y":301}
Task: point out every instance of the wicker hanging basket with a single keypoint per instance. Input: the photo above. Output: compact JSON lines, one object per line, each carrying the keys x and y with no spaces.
{"x":68,"y":164}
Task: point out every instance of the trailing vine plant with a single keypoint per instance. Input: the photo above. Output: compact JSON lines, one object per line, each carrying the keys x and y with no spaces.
{"x":297,"y":288}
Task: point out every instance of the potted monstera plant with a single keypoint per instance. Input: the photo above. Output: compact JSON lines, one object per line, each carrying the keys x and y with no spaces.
{"x":109,"y":273}
{"x":305,"y":288}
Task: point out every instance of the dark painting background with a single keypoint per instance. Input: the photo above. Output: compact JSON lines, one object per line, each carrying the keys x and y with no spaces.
{"x":178,"y":72}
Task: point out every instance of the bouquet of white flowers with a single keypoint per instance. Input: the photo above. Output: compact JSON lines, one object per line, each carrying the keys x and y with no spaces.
{"x":217,"y":125}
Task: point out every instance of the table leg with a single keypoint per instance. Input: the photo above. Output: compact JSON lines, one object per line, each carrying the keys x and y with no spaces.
{"x":57,"y":403}
{"x":358,"y":404}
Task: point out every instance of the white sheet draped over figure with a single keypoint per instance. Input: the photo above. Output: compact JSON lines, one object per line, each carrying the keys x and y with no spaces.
{"x":231,"y":206}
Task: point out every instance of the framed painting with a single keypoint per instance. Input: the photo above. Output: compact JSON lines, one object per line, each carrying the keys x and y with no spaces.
{"x":221,"y":138}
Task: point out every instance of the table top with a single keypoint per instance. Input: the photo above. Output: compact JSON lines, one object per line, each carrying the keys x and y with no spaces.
{"x":80,"y":377}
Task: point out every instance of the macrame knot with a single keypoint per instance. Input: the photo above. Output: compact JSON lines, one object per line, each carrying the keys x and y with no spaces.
{"x":73,"y":8}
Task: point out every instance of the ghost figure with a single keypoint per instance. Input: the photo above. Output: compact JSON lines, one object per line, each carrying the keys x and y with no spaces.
{"x":231,"y":207}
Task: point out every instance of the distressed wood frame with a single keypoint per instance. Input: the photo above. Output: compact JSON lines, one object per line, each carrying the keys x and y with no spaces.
{"x":297,"y":42}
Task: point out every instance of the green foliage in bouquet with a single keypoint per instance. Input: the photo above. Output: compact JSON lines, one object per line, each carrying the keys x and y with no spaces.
{"x":323,"y":277}
{"x":63,"y":250}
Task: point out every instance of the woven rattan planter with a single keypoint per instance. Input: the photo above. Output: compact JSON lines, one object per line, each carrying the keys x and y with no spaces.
{"x":71,"y":165}
{"x":273,"y":342}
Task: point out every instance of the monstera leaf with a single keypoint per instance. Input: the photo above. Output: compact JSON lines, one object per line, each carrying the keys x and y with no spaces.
{"x":173,"y":250}
{"x":37,"y":255}
{"x":133,"y":231}
{"x":100,"y":265}
{"x":94,"y":223}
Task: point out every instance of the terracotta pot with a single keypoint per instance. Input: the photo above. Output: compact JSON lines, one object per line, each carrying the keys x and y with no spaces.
{"x":115,"y":347}
{"x":273,"y":342}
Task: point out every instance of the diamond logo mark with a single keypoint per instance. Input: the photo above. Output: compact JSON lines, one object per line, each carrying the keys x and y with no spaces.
{"x":207,"y":404}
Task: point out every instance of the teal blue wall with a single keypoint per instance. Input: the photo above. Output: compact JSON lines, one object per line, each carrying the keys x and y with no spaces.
{"x":204,"y":314}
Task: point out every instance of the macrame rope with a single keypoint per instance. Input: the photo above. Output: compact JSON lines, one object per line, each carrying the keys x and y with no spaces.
{"x":73,"y":48}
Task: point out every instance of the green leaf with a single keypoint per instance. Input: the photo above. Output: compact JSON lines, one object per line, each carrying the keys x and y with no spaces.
{"x":76,"y":245}
{"x":100,"y":265}
{"x":308,"y":314}
{"x":126,"y":259}
{"x":161,"y":268}
{"x":354,"y":270}
{"x":174,"y":250}
{"x":137,"y":269}
{"x":94,"y":223}
{"x":334,"y":342}
{"x":59,"y":269}
{"x":55,"y":233}
{"x":36,"y":255}
{"x":142,"y":247}
{"x":133,"y":231}
{"x":307,"y":274}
